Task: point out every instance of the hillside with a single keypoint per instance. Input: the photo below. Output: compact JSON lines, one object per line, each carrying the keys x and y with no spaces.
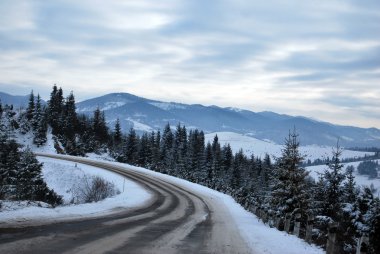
{"x":16,"y":100}
{"x":145,"y":115}
{"x":259,"y":148}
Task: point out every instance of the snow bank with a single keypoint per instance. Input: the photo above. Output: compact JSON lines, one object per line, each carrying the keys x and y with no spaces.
{"x":61,"y":176}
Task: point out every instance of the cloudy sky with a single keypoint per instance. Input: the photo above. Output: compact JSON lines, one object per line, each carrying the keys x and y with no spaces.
{"x":317,"y":58}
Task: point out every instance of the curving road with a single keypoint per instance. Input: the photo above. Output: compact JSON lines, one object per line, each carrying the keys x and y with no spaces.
{"x":174,"y":220}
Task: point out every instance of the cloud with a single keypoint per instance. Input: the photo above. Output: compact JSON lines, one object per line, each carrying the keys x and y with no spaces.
{"x":16,"y":15}
{"x":283,"y":56}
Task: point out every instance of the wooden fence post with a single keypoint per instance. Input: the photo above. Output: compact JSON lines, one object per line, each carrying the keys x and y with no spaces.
{"x":362,"y":247}
{"x":297,"y":225}
{"x":271,"y":220}
{"x":265,"y":216}
{"x":331,"y":245}
{"x":258,"y":212}
{"x":278,"y":221}
{"x":287,"y":222}
{"x":309,"y":228}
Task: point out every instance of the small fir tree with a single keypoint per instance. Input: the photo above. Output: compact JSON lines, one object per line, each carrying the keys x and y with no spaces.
{"x":290,"y":189}
{"x":31,"y":107}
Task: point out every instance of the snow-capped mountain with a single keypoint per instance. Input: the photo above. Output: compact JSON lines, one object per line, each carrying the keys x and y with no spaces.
{"x":145,"y":115}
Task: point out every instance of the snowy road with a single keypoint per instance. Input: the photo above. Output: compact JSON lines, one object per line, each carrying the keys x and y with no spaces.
{"x":175,"y":220}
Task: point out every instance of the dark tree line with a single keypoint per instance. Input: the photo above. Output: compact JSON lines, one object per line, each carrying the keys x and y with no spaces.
{"x":34,"y":120}
{"x":327,"y":160}
{"x":282,"y":188}
{"x":73,"y":134}
{"x":369,"y":168}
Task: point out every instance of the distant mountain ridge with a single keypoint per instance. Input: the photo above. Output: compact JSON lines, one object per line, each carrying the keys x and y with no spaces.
{"x":146,"y":115}
{"x":16,"y":100}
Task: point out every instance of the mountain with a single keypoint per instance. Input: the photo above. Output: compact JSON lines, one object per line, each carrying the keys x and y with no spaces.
{"x":146,"y":115}
{"x":16,"y":100}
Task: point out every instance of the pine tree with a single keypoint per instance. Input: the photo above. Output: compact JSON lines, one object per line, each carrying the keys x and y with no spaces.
{"x":29,"y":171}
{"x":374,"y":234}
{"x":289,"y":191}
{"x":116,"y":143}
{"x":350,"y":212}
{"x":330,"y":203}
{"x":349,"y":187}
{"x":227,"y":158}
{"x":237,"y":169}
{"x":8,"y":121}
{"x":10,"y":166}
{"x":155,"y":140}
{"x":70,"y":120}
{"x":167,"y":150}
{"x":266,"y":171}
{"x":117,"y":133}
{"x":9,"y":157}
{"x":39,"y":124}
{"x":70,"y":127}
{"x":30,"y":184}
{"x":334,"y":178}
{"x":195,"y":155}
{"x":55,"y":108}
{"x":217,"y":182}
{"x":99,"y":127}
{"x":208,"y":161}
{"x":85,"y":141}
{"x":31,"y":107}
{"x":180,"y":151}
{"x":131,"y":148}
{"x":143,"y":151}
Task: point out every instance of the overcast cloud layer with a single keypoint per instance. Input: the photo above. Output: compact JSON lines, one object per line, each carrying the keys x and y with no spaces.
{"x":314,"y":58}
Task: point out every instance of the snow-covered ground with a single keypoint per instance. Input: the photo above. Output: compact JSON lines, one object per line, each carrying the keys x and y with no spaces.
{"x":360,"y":180}
{"x":27,"y":141}
{"x":139,"y":126}
{"x":62,"y":176}
{"x":259,"y":237}
{"x":259,"y":148}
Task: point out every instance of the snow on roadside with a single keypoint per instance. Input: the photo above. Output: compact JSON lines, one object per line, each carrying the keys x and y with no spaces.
{"x":61,"y":176}
{"x":259,"y":237}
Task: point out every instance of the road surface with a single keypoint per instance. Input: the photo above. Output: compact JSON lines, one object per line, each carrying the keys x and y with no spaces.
{"x":174,"y":220}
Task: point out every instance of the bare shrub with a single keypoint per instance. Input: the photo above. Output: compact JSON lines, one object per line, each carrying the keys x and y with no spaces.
{"x":93,"y":189}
